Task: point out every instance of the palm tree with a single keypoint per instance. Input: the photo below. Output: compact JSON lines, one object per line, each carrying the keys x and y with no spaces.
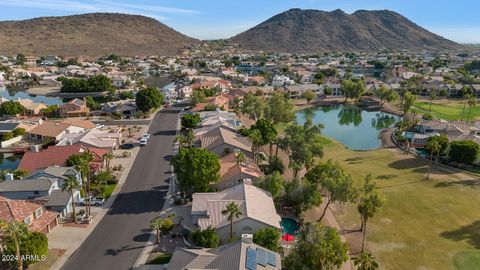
{"x":240,"y":159}
{"x":472,"y":102}
{"x":15,"y":230}
{"x":256,"y":139}
{"x":70,"y":185}
{"x":157,"y":224}
{"x":365,"y":262}
{"x":85,"y":171}
{"x":107,"y":157}
{"x":186,"y":139}
{"x":232,"y":211}
{"x":434,"y":147}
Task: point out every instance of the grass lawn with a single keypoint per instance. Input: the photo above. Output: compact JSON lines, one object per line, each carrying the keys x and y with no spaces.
{"x":52,"y":257}
{"x":448,"y":110}
{"x":425,"y":224}
{"x":109,"y":190}
{"x":161,"y":259}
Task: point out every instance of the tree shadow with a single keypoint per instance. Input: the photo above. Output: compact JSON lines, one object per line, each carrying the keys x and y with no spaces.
{"x":354,"y":160}
{"x":406,"y":164}
{"x":403,"y":184}
{"x":469,"y":183}
{"x":165,"y":133}
{"x":138,"y":202}
{"x":142,"y":238}
{"x":386,"y":176}
{"x":470,"y":233}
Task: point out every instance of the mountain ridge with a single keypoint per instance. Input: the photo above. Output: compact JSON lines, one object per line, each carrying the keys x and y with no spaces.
{"x":92,"y":34}
{"x":309,"y":30}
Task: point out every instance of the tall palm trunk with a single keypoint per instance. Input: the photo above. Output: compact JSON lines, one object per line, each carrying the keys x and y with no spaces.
{"x":325,"y":210}
{"x":231,"y":227}
{"x":464,"y":107}
{"x":270,"y":154}
{"x":364,"y":234}
{"x":430,"y":165}
{"x":17,"y":254}
{"x":469,"y":111}
{"x":73,"y":207}
{"x":158,"y":236}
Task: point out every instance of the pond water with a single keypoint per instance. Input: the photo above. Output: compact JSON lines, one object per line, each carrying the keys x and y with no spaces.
{"x":355,"y":128}
{"x":12,"y":95}
{"x":9,"y":161}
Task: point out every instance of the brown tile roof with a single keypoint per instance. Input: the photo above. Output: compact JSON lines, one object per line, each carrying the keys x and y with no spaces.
{"x":55,"y":155}
{"x":79,"y":123}
{"x":229,"y":167}
{"x":222,"y":135}
{"x":49,"y":129}
{"x":20,"y":209}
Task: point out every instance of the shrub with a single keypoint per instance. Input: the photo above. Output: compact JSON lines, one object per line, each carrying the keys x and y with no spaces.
{"x":465,"y":152}
{"x":210,"y":107}
{"x":35,"y":243}
{"x":207,"y":238}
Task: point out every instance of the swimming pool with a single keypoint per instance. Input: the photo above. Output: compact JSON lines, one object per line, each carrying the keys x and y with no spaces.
{"x":289,"y":225}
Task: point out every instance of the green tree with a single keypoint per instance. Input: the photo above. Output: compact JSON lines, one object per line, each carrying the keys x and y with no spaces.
{"x":197,"y":97}
{"x":126,"y":95}
{"x":34,"y":244}
{"x":434,"y":147}
{"x":92,"y":103}
{"x":253,"y":106}
{"x":268,"y":238}
{"x":232,"y":211}
{"x":148,"y":99}
{"x":337,"y":185}
{"x":272,"y":183}
{"x":303,"y":144}
{"x":196,"y":168}
{"x":15,"y":231}
{"x":385,"y":94}
{"x":190,"y":120}
{"x":317,"y":247}
{"x":100,"y":83}
{"x":70,"y":185}
{"x":408,"y":101}
{"x":11,"y":108}
{"x":268,"y":133}
{"x":256,"y":140}
{"x":365,"y":261}
{"x":21,"y":59}
{"x":207,"y":238}
{"x":472,"y":102}
{"x":51,"y":111}
{"x":19,"y":132}
{"x":309,"y":95}
{"x":443,"y":141}
{"x":353,"y":90}
{"x":464,"y":152}
{"x":279,"y":109}
{"x":107,"y":158}
{"x":185,"y":139}
{"x":301,"y":196}
{"x":370,"y":203}
{"x":157,"y":224}
{"x":431,"y":97}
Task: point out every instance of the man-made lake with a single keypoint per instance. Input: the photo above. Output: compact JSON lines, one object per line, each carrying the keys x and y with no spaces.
{"x":13,"y":95}
{"x":355,"y":128}
{"x":9,"y":161}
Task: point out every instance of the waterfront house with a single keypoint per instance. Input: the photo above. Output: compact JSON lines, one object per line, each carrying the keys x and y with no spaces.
{"x":54,"y":131}
{"x":32,"y":108}
{"x":222,"y":141}
{"x":242,"y":254}
{"x":256,"y":205}
{"x":232,"y":173}
{"x":74,"y":108}
{"x":94,"y":138}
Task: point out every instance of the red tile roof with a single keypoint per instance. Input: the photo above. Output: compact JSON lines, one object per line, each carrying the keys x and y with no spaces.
{"x":55,"y":155}
{"x":19,"y":210}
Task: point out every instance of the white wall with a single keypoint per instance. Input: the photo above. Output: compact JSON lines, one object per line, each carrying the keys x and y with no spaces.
{"x":10,"y":142}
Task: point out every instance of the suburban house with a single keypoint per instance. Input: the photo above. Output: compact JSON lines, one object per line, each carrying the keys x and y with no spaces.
{"x":256,"y":205}
{"x":80,"y":123}
{"x":57,"y":156}
{"x":232,"y":173}
{"x":58,"y":172}
{"x":49,"y":130}
{"x":6,"y":127}
{"x":42,"y":190}
{"x":32,"y":108}
{"x":33,"y":214}
{"x":222,"y":141}
{"x":282,"y":80}
{"x":298,"y":91}
{"x":125,"y":108}
{"x":95,"y":138}
{"x":240,"y":255}
{"x":74,"y":108}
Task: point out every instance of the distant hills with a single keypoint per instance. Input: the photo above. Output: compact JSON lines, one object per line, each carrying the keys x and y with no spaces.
{"x":298,"y":30}
{"x":292,"y":31}
{"x":90,"y":34}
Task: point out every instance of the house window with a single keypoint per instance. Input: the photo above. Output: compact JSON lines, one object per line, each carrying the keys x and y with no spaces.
{"x":38,"y":212}
{"x":28,"y":220}
{"x":36,"y":193}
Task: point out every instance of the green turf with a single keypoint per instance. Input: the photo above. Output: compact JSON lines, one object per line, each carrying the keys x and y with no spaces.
{"x":161,"y":259}
{"x":469,"y":259}
{"x":424,"y":223}
{"x":452,"y":110}
{"x":109,"y":190}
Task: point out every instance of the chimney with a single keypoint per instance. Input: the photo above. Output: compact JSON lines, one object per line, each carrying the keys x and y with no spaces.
{"x":247,"y":238}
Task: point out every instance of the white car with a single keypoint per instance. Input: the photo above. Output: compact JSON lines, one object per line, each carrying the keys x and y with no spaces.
{"x":146,"y":136}
{"x":93,"y":201}
{"x":143,"y":142}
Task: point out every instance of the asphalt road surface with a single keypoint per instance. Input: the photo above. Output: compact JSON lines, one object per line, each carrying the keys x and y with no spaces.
{"x":119,"y":238}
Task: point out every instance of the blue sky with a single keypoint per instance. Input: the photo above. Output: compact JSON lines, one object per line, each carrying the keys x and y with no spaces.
{"x":210,"y":19}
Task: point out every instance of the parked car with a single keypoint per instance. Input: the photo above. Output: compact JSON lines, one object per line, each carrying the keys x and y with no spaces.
{"x":93,"y":201}
{"x":100,"y":126}
{"x":146,"y":136}
{"x":143,"y":142}
{"x":127,"y":146}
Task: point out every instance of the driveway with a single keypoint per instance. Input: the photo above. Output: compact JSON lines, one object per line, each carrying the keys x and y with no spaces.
{"x":119,"y":238}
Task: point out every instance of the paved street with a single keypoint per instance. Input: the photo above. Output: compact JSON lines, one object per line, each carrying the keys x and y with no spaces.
{"x":122,"y":122}
{"x":119,"y":238}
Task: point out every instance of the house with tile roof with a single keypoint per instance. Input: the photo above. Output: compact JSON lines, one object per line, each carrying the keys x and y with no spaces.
{"x":256,"y":205}
{"x":57,"y":156}
{"x":32,"y":108}
{"x":93,"y":138}
{"x":232,"y":173}
{"x":49,"y":130}
{"x":222,"y":141}
{"x":240,"y":255}
{"x":78,"y":122}
{"x":74,"y":108}
{"x":31,"y":213}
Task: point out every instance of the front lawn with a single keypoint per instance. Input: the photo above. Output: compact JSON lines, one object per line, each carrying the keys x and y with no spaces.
{"x":161,"y":259}
{"x":448,"y":110}
{"x":425,"y":224}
